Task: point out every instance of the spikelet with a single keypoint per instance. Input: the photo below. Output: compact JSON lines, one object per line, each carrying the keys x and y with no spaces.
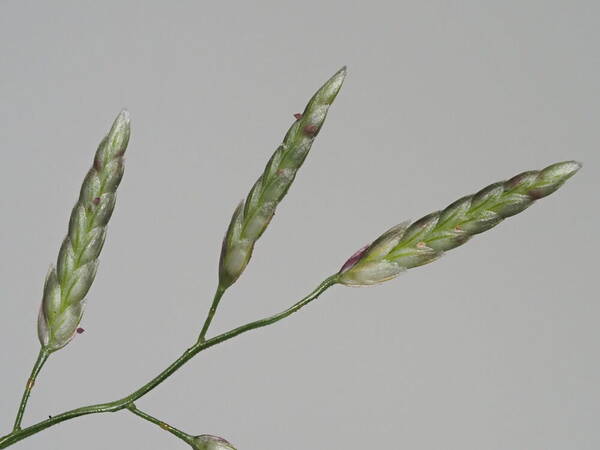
{"x":252,"y":216}
{"x":404,"y":247}
{"x":208,"y":442}
{"x":67,"y":284}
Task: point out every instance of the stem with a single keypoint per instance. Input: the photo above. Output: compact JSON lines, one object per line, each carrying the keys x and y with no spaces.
{"x":39,"y":363}
{"x":123,"y":403}
{"x":165,"y":426}
{"x":211,"y":312}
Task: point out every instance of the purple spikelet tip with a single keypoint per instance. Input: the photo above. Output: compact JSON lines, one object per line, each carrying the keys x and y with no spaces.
{"x":354,"y":258}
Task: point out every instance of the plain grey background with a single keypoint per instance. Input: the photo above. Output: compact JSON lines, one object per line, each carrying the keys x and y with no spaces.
{"x":493,"y":347}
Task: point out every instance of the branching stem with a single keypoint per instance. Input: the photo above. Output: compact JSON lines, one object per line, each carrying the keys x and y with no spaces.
{"x":165,"y":426}
{"x":39,"y":363}
{"x":211,"y":313}
{"x":117,"y":405}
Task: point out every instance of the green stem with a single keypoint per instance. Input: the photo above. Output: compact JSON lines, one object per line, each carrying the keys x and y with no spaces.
{"x":211,"y":313}
{"x":123,"y":403}
{"x":39,"y":363}
{"x":165,"y":426}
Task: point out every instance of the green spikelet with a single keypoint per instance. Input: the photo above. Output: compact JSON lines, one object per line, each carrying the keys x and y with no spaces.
{"x":67,"y":284}
{"x":404,"y":246}
{"x":208,"y":442}
{"x":252,"y":216}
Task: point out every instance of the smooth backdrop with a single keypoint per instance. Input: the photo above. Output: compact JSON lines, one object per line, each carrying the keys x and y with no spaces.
{"x":493,"y":347}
